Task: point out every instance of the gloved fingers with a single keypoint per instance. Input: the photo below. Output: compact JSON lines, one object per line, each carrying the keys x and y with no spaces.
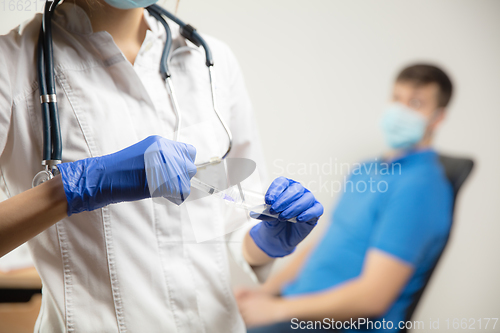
{"x":191,"y":150}
{"x":182,"y":149}
{"x":289,"y":195}
{"x":157,"y":170}
{"x":298,"y":206}
{"x":187,"y":153}
{"x":275,"y":189}
{"x":156,"y":178}
{"x":312,"y":214}
{"x":191,"y":169}
{"x":162,"y":184}
{"x":184,"y":185}
{"x":178,"y":188}
{"x":169,"y":167}
{"x":184,"y":189}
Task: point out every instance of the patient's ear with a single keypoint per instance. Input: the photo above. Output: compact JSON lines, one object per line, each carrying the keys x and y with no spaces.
{"x":438,"y":117}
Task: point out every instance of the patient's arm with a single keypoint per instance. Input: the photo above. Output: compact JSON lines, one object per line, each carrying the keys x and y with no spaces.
{"x":369,"y":295}
{"x":274,"y":283}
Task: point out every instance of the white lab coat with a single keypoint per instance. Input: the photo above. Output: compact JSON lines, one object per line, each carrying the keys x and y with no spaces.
{"x":128,"y":267}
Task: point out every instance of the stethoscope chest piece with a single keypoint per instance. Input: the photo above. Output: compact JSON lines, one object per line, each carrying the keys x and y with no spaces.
{"x":41,"y":177}
{"x":48,"y":173}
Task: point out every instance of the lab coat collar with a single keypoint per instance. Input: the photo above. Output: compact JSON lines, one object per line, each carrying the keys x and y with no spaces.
{"x":74,"y":19}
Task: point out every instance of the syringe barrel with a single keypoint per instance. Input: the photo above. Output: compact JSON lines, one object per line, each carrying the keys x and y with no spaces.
{"x":249,"y":200}
{"x":264,"y":210}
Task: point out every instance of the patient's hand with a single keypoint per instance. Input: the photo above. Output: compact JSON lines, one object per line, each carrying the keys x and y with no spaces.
{"x":241,"y":293}
{"x":259,"y":308}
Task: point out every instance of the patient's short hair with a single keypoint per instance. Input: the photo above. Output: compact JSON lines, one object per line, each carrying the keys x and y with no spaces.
{"x":423,"y":74}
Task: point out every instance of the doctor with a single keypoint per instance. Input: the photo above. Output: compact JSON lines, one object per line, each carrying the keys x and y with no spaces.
{"x":109,"y":261}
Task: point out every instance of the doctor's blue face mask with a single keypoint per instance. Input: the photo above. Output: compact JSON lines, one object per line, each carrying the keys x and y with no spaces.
{"x":129,"y":4}
{"x":403,"y":127}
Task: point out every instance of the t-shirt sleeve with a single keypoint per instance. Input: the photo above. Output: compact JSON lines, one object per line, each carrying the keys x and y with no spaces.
{"x":405,"y":228}
{"x":5,"y":103}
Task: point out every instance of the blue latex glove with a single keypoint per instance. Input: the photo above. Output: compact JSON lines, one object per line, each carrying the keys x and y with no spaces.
{"x":95,"y":182}
{"x":288,"y":198}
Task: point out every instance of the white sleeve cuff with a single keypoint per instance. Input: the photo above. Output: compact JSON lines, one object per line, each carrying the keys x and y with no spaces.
{"x":234,"y":240}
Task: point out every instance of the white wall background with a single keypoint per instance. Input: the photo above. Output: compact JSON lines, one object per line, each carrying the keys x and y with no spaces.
{"x":319,"y":74}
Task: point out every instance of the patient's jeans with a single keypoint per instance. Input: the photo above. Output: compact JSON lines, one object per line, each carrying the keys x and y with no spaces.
{"x":284,"y":327}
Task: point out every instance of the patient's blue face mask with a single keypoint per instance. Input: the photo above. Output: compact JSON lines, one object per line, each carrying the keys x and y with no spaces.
{"x":403,"y":127}
{"x":129,"y":4}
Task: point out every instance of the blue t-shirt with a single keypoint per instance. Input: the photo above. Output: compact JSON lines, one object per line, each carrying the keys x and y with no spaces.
{"x":403,"y":208}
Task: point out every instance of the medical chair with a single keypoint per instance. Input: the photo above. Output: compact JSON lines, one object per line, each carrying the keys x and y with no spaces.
{"x":457,"y":170}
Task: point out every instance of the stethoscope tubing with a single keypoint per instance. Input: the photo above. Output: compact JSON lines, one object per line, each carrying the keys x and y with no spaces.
{"x":42,"y":85}
{"x":48,"y":60}
{"x":196,"y":39}
{"x":52,"y":141}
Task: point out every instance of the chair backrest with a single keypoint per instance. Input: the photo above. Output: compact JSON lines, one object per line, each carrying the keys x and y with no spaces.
{"x":457,"y":170}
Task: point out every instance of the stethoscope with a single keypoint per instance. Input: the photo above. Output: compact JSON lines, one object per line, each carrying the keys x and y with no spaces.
{"x":52,"y":142}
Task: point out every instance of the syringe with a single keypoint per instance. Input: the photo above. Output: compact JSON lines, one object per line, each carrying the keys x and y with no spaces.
{"x":251,"y":201}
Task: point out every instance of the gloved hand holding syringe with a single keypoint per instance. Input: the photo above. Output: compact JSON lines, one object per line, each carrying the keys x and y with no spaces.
{"x":169,"y":169}
{"x":158,"y":167}
{"x":240,"y":198}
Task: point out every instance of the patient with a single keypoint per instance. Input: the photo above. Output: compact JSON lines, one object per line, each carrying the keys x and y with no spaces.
{"x":381,"y":244}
